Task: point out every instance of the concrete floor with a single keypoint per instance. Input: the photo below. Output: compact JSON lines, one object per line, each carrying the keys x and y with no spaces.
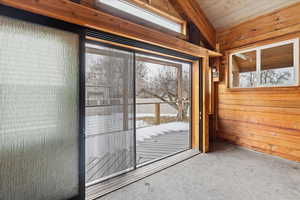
{"x":229,"y":173}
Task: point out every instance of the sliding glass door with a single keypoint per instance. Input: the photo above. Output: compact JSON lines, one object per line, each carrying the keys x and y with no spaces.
{"x":109,"y":112}
{"x":39,"y":148}
{"x":137,"y":110}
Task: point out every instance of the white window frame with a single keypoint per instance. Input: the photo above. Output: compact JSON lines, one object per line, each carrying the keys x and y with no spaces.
{"x":258,"y":50}
{"x":144,"y":14}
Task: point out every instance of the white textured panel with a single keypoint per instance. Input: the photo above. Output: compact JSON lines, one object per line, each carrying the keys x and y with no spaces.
{"x":38,"y":112}
{"x":226,"y":13}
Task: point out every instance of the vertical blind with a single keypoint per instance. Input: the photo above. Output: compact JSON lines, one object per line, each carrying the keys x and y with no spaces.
{"x":38,"y":112}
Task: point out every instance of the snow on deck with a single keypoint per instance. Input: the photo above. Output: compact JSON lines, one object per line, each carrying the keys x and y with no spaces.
{"x":148,"y":132}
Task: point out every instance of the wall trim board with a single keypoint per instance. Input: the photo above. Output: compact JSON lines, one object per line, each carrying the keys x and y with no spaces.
{"x":133,"y":43}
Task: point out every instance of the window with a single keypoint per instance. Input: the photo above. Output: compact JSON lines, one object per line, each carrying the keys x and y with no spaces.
{"x":135,"y":13}
{"x":266,"y":66}
{"x":243,"y":69}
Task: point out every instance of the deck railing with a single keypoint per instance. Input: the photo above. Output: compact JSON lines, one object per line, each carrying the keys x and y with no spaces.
{"x":152,"y":117}
{"x":157,"y":109}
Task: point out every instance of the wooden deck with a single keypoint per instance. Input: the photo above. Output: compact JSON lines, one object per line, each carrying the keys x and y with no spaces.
{"x":150,"y":149}
{"x":162,"y":145}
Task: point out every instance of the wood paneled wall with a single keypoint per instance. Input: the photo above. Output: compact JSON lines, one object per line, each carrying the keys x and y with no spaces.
{"x":262,"y":119}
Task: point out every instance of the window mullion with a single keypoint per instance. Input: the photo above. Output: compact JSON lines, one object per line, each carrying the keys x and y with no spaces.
{"x":296,"y":61}
{"x":258,"y":66}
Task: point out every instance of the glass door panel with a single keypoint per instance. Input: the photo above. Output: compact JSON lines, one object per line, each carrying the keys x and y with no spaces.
{"x":163,"y":99}
{"x":109,"y":112}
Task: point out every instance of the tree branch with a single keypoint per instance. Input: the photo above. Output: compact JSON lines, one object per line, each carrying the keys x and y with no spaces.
{"x":174,"y":105}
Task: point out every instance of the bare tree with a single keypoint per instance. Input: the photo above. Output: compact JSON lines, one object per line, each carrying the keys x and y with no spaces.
{"x":164,"y":86}
{"x":273,"y":77}
{"x":248,"y":79}
{"x":108,"y":71}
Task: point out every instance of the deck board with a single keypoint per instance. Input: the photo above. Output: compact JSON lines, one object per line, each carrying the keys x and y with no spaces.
{"x":149,"y":149}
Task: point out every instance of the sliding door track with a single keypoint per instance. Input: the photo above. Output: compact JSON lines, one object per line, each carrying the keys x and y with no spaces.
{"x":111,"y":185}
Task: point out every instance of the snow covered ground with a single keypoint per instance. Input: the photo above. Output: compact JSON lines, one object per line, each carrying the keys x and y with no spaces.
{"x":97,"y":124}
{"x":153,"y":115}
{"x":108,"y":123}
{"x":105,"y":133}
{"x":148,"y":132}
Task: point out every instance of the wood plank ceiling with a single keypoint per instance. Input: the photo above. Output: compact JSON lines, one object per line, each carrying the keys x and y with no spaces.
{"x":227,"y":13}
{"x":193,"y":12}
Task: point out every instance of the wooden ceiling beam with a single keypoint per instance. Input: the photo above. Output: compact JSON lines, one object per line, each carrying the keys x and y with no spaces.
{"x":71,"y":12}
{"x":193,"y":12}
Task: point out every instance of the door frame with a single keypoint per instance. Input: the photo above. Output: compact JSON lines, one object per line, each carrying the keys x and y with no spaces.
{"x":112,"y":42}
{"x":200,"y":102}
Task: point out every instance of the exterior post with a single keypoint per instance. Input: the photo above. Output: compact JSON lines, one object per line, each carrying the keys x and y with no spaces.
{"x":157,"y":113}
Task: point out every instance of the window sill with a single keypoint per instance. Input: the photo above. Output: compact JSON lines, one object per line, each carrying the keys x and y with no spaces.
{"x":268,"y":88}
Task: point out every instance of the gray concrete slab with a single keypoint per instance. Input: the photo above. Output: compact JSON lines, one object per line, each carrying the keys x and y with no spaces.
{"x":229,"y":173}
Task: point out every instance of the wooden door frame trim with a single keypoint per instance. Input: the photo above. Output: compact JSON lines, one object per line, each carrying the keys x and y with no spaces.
{"x":205,"y":105}
{"x":196,"y":128}
{"x":196,"y":107}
